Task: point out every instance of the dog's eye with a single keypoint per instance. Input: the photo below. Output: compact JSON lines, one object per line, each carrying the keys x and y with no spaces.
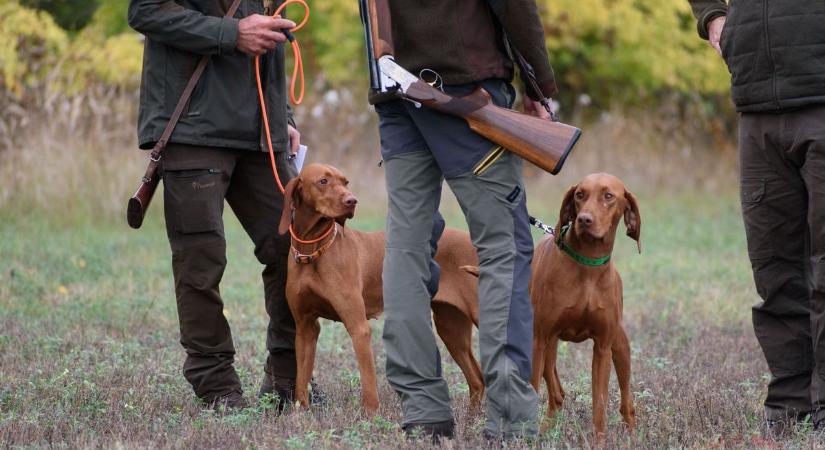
{"x":608,"y":195}
{"x":346,"y":182}
{"x":323,"y":181}
{"x":579,"y":195}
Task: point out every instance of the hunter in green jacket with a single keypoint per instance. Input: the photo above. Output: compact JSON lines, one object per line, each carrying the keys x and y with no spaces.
{"x":214,"y":155}
{"x":775,"y":51}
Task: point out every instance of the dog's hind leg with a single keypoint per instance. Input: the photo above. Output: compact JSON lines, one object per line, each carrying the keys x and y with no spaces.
{"x":555,"y":393}
{"x":306,"y":340}
{"x":539,"y":358}
{"x":621,"y":361}
{"x":456,"y":330}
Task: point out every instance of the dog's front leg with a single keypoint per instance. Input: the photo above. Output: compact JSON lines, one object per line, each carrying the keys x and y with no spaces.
{"x":621,"y":360}
{"x":306,"y":340}
{"x":601,"y":377}
{"x":360,"y":332}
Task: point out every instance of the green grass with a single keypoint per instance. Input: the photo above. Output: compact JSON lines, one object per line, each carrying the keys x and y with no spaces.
{"x":89,"y":354}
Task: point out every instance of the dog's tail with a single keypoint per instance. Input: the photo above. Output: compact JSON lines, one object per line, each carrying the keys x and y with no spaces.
{"x":472,"y":270}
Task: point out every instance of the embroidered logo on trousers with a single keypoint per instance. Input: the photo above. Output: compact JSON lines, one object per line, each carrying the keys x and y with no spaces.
{"x":197,"y":186}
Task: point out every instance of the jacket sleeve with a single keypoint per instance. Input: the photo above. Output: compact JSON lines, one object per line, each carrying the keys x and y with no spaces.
{"x":705,"y":11}
{"x":520,"y":20}
{"x":290,"y":116}
{"x":185,"y":29}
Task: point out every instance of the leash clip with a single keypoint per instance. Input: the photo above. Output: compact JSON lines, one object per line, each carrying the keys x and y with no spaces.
{"x":542,"y":226}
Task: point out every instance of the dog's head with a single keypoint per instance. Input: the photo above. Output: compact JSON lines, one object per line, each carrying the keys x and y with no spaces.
{"x":319,"y":190}
{"x":595,"y":205}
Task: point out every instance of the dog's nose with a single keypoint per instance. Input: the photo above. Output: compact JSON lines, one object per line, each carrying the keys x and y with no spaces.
{"x":351,"y":201}
{"x":585,"y":219}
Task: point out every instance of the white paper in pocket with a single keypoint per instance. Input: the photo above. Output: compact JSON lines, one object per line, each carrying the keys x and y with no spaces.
{"x":300,"y":157}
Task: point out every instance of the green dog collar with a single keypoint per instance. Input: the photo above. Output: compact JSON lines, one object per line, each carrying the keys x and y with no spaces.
{"x":593,"y":262}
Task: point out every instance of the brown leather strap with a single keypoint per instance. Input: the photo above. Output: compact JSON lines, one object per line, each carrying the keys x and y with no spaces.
{"x":160,"y":145}
{"x":529,"y":74}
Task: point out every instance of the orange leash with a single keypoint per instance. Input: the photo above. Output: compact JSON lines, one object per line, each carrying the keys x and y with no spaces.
{"x":297,"y":74}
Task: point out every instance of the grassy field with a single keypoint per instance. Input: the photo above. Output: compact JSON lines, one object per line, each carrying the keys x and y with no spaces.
{"x":89,"y":354}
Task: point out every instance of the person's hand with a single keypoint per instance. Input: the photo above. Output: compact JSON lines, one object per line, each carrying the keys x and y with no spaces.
{"x":258,"y":33}
{"x":535,"y":108}
{"x":294,"y":139}
{"x":715,"y":28}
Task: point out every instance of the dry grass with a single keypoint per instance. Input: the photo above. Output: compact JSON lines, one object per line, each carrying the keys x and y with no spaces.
{"x":88,"y":331}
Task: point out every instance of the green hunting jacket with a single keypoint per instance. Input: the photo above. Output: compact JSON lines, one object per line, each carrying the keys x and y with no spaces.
{"x":775,"y":51}
{"x":224,"y":109}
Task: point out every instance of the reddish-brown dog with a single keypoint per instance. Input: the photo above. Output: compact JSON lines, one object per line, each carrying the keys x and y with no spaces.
{"x":577,"y":294}
{"x":336,"y":274}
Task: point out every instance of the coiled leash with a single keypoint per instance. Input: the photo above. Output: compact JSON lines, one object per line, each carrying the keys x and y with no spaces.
{"x":297,"y":76}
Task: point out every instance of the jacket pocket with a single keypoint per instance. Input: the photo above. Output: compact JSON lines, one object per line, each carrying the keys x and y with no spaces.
{"x":723,"y":40}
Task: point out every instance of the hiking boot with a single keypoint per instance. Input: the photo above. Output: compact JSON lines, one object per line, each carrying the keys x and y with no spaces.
{"x":230,"y":403}
{"x":284,"y":388}
{"x":435,"y":431}
{"x":819,"y":428}
{"x":776,"y":429}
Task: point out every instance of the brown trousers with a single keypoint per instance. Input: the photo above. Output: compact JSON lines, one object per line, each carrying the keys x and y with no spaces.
{"x":196,"y":181}
{"x":783,"y":203}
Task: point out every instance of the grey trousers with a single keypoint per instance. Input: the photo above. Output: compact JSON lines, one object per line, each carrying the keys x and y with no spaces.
{"x":783,"y":204}
{"x":494,"y":205}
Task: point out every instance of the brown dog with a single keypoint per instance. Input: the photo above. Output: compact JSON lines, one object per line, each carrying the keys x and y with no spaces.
{"x":577,"y":293}
{"x":574,"y":298}
{"x":336,"y":274}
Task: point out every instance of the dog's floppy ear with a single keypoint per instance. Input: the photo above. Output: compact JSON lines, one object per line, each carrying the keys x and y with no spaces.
{"x":632,"y":219}
{"x":290,"y":193}
{"x":567,"y":213}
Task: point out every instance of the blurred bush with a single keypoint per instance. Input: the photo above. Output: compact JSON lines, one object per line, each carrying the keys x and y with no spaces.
{"x":604,"y":51}
{"x":30,"y":44}
{"x":71,"y":15}
{"x":36,"y":53}
{"x":630,"y":51}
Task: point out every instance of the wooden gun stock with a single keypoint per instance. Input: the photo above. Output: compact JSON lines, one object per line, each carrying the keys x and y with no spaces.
{"x":542,"y":142}
{"x":139,"y":203}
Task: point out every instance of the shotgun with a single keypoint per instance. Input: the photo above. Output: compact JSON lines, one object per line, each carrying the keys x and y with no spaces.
{"x":542,"y":142}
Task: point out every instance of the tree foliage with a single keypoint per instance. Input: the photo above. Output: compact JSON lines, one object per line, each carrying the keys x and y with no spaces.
{"x":612,"y":50}
{"x":35,"y":50}
{"x":626,"y":49}
{"x":71,"y":15}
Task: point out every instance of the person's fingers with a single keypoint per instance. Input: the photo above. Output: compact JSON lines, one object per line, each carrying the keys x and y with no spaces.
{"x":272,"y":36}
{"x":267,"y":44}
{"x":294,"y":140}
{"x":278,"y":24}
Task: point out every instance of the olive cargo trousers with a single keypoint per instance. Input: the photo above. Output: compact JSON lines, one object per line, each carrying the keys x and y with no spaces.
{"x":782,"y":160}
{"x":196,"y":180}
